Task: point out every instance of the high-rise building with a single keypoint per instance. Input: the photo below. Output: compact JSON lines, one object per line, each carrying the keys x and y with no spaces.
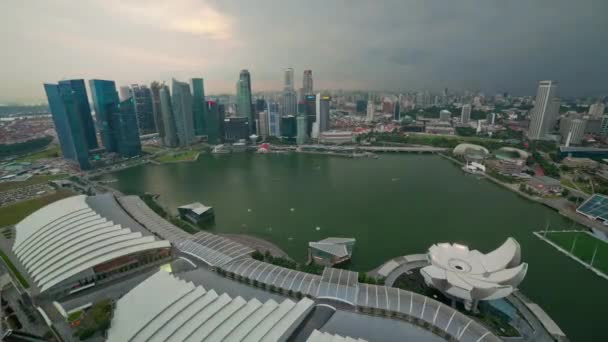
{"x":124,"y":92}
{"x":288,"y":126}
{"x":307,"y":82}
{"x":170,"y":137}
{"x":157,"y":110}
{"x":117,"y":120}
{"x":105,"y":102}
{"x":71,"y":131}
{"x":263,"y":124}
{"x":243,"y":99}
{"x":274,"y":120}
{"x":361,"y":105}
{"x":290,"y":101}
{"x":215,"y":119}
{"x":597,"y":109}
{"x":545,"y":112}
{"x":322,"y":121}
{"x":310,"y":109}
{"x":573,"y":131}
{"x":144,"y":108}
{"x":84,"y":110}
{"x":235,"y":129}
{"x":465,"y":114}
{"x":397,"y":112}
{"x":181,"y":98}
{"x":125,"y":129}
{"x":301,"y":124}
{"x":288,"y":79}
{"x":199,"y":105}
{"x":445,"y":115}
{"x":370,"y":111}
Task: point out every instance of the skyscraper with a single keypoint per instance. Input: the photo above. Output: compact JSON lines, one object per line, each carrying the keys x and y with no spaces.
{"x":105,"y":101}
{"x":290,"y":103}
{"x":199,"y":105}
{"x":370,"y":111}
{"x":125,"y":127}
{"x":263,"y":124}
{"x":68,"y":123}
{"x":302,"y":135}
{"x":397,"y":112}
{"x":307,"y":82}
{"x":215,"y":133}
{"x":274,"y":119}
{"x":144,"y":108}
{"x":181,"y":98}
{"x":124,"y":93}
{"x":574,"y":131}
{"x":243,"y":99}
{"x":170,"y":137}
{"x":465,"y":114}
{"x":117,"y":119}
{"x":157,"y":109}
{"x":322,"y":121}
{"x":545,"y":112}
{"x":84,"y":110}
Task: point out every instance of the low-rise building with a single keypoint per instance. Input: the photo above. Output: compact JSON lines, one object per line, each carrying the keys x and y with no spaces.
{"x":196,"y":213}
{"x":585,"y":163}
{"x":506,"y":166}
{"x":336,"y":137}
{"x":446,"y":130}
{"x":331,"y":251}
{"x":544,"y":185}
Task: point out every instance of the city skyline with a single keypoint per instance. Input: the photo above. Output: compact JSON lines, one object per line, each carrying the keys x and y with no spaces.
{"x":410,"y":46}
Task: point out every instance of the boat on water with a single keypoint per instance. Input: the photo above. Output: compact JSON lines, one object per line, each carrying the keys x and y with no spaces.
{"x":474,"y":168}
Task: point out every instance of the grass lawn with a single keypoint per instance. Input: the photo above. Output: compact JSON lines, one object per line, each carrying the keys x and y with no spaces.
{"x":151,"y":148}
{"x":52,"y":152}
{"x":4,"y":186}
{"x":14,"y":270}
{"x":178,"y":156}
{"x":16,"y":212}
{"x":583,"y":248}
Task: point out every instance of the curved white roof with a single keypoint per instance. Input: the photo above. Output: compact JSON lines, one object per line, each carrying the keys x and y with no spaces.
{"x":67,"y":237}
{"x":472,"y":275}
{"x":190,"y":313}
{"x":461,"y":148}
{"x":318,"y":336}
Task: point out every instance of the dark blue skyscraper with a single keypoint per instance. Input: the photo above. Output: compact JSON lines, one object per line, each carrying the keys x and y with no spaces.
{"x":117,"y":120}
{"x":215,"y":132}
{"x":105,"y":102}
{"x":84,"y":110}
{"x":144,"y":111}
{"x":71,"y":131}
{"x":199,"y":106}
{"x":126,"y":133}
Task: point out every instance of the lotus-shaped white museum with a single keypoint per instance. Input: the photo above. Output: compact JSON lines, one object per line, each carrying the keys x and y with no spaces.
{"x":470,"y":275}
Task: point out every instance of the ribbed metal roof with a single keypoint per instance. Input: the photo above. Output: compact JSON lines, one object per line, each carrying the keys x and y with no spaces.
{"x":150,"y":312}
{"x":69,"y":236}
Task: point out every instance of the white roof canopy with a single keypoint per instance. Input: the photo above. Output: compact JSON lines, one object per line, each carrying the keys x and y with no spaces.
{"x":190,"y":313}
{"x":68,"y":236}
{"x":472,"y":275}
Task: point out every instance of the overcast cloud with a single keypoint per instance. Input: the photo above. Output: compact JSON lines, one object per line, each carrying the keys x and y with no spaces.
{"x":400,"y":45}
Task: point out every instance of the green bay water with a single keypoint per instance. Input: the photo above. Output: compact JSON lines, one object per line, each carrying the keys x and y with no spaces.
{"x":394,"y":205}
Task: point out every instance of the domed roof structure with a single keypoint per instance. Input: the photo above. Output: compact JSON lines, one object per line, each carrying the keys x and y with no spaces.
{"x":471,"y":275}
{"x":462,"y":149}
{"x":516,"y":153}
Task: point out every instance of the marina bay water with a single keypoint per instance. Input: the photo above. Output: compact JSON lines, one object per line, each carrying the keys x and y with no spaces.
{"x":394,"y":205}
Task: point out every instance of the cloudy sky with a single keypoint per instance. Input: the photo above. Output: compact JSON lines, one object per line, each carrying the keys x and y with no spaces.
{"x":487,"y":45}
